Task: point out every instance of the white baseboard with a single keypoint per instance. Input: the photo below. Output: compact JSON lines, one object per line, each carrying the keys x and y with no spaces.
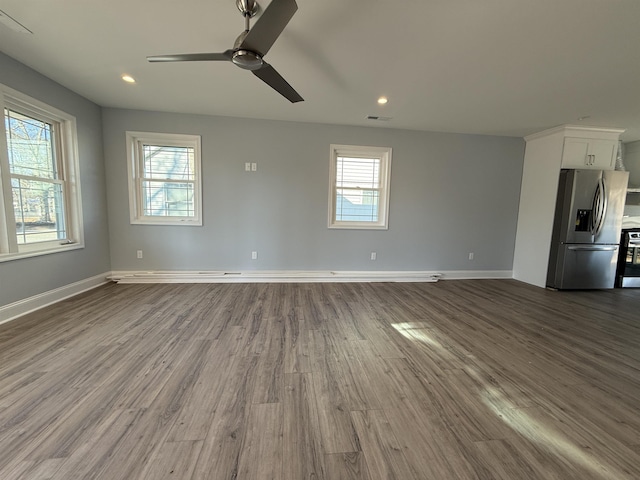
{"x":292,"y":276}
{"x":36,"y":302}
{"x":476,"y":274}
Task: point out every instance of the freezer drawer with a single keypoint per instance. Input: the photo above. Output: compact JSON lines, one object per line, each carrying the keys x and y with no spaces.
{"x":584,"y":266}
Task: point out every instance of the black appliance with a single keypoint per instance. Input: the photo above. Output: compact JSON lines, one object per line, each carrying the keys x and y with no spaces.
{"x":628,"y":272}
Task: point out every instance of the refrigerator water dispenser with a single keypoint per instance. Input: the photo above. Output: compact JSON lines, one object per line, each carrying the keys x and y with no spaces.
{"x":583,"y":221}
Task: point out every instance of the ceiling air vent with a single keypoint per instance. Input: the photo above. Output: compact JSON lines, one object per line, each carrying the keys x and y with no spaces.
{"x":378,"y":118}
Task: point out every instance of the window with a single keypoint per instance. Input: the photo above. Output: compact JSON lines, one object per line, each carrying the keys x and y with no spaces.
{"x":359,"y":187}
{"x":40,"y":203}
{"x":164,"y":178}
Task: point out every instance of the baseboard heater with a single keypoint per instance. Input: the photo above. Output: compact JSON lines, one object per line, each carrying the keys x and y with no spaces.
{"x":270,"y":276}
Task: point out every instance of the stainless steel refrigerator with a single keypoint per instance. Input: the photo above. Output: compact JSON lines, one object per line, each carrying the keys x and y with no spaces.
{"x":586,"y":229}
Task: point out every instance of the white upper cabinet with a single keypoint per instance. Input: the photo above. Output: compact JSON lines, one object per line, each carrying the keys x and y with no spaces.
{"x":593,"y":153}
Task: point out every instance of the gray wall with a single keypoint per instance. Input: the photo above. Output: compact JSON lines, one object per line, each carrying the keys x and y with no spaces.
{"x":450,"y":195}
{"x":28,"y":277}
{"x":632,"y":162}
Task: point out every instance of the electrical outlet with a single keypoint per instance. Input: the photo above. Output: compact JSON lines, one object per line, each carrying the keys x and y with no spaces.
{"x":139,"y":253}
{"x":247,"y":167}
{"x":374,"y":255}
{"x":254,"y":255}
{"x":470,"y":255}
{"x":254,"y":167}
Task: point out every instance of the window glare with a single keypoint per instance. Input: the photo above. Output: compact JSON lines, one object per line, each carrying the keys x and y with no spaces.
{"x":167,"y":162}
{"x":168,"y":199}
{"x":30,"y":146}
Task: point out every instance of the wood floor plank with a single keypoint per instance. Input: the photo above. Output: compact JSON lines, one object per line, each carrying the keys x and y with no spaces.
{"x":32,"y":470}
{"x":225,"y":438}
{"x":196,"y":414}
{"x":383,"y":452}
{"x":297,"y":350}
{"x":303,"y":451}
{"x":346,"y":466}
{"x":261,"y":457}
{"x":504,"y":462}
{"x":336,"y":425}
{"x":431,"y":449}
{"x":89,"y":459}
{"x":387,"y":387}
{"x":269,"y":379}
{"x":172,"y":460}
{"x":344,"y":366}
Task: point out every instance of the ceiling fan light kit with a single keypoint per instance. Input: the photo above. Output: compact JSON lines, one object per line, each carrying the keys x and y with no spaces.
{"x":252,"y":45}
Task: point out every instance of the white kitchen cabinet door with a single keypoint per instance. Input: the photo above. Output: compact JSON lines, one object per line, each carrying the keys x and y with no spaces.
{"x":603,"y":153}
{"x":589,"y":153}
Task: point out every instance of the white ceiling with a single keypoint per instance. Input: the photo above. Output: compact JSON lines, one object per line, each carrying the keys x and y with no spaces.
{"x":500,"y":67}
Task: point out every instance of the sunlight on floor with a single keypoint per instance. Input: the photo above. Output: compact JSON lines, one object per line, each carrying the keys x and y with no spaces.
{"x":416,"y":331}
{"x":517,"y":417}
{"x":547,"y":437}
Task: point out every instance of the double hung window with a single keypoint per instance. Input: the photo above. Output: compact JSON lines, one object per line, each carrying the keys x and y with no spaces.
{"x":40,"y":203}
{"x":164,"y":178}
{"x":359,"y":187}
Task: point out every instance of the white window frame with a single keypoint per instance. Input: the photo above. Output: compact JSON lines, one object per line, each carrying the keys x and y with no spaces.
{"x":383,"y":154}
{"x":135,"y":142}
{"x":68,"y":164}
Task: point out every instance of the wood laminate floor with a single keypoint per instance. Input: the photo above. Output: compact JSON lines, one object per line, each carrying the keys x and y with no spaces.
{"x":490,"y":379}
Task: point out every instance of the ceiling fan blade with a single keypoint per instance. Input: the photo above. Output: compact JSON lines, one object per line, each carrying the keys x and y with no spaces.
{"x":192,"y":57}
{"x":272,"y":78}
{"x":269,"y":26}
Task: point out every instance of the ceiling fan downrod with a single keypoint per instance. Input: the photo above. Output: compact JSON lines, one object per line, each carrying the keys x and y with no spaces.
{"x":243,"y":58}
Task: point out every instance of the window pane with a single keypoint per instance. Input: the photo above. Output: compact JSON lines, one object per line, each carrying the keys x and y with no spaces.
{"x":30,"y":146}
{"x":38,"y":208}
{"x":172,"y":199}
{"x":168,"y":162}
{"x":358,"y":172}
{"x":357,"y":205}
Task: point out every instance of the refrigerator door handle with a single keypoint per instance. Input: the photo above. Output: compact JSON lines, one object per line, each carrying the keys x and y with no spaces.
{"x":591,"y":248}
{"x":599,"y":207}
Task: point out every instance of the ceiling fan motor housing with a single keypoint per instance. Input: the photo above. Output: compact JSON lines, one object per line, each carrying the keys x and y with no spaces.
{"x":247,"y":59}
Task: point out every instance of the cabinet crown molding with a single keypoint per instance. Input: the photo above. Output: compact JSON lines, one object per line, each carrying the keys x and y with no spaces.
{"x":583,"y":131}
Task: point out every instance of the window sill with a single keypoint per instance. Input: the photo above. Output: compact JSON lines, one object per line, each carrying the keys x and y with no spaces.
{"x":173,"y":223}
{"x":6,"y":257}
{"x":354,"y":226}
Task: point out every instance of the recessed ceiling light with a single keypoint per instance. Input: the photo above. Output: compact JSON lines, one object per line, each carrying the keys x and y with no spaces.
{"x":382,"y":100}
{"x":128,"y":78}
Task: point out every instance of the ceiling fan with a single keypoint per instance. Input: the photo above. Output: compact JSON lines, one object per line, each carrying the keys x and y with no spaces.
{"x":252,"y":45}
